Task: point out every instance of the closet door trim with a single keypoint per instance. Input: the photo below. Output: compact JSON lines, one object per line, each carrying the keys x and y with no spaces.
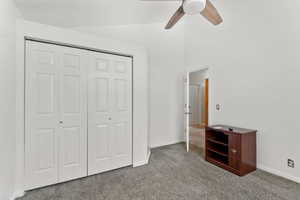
{"x":77,"y":47}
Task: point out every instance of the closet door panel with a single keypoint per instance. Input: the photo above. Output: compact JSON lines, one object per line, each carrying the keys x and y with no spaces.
{"x":122,"y":111}
{"x":42,"y":115}
{"x":122,"y":145}
{"x":56,"y":114}
{"x":109,"y":110}
{"x":99,"y":106}
{"x":73,"y":114}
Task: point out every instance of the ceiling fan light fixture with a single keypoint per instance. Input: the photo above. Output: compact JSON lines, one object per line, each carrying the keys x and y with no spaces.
{"x":192,"y":7}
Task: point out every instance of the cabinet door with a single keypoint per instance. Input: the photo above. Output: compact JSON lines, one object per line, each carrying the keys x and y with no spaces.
{"x":234,"y":150}
{"x":73,"y":114}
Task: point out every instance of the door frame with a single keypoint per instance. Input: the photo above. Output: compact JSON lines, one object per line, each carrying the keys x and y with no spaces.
{"x":209,"y":106}
{"x":209,"y":102}
{"x":206,"y":101}
{"x":47,"y":33}
{"x":186,"y":109}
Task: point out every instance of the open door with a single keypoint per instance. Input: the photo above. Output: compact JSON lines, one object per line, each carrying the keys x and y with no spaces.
{"x":206,"y":94}
{"x":187,"y":110}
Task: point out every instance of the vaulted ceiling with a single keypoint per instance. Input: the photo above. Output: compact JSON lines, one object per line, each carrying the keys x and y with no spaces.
{"x":76,"y":13}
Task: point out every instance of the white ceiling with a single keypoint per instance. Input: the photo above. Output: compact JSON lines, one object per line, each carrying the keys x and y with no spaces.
{"x":76,"y":13}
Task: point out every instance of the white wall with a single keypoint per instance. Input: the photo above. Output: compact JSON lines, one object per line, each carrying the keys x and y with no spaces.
{"x":140,"y":83}
{"x":166,"y":66}
{"x":8,"y":98}
{"x":254,"y":64}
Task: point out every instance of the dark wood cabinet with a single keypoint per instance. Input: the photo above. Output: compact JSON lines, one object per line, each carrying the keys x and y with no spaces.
{"x":231,"y":148}
{"x":234,"y":153}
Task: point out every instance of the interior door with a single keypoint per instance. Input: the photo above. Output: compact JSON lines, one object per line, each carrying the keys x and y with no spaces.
{"x":187,"y":110}
{"x":109,"y":112}
{"x":73,"y":114}
{"x":42,"y":114}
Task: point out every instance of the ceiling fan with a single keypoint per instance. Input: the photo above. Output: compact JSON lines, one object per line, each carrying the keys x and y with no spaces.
{"x":192,"y":7}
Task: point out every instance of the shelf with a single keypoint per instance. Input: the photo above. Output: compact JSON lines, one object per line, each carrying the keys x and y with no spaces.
{"x":217,"y":137}
{"x":217,"y":142}
{"x":218,"y":161}
{"x":218,"y":152}
{"x":217,"y":158}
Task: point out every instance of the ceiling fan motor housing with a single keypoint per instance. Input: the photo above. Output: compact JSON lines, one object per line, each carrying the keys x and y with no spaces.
{"x":192,"y":7}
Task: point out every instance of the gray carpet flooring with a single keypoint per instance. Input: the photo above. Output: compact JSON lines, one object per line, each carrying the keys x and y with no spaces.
{"x":172,"y":174}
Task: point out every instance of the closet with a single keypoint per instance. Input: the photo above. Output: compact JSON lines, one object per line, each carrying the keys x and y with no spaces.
{"x":78,"y":113}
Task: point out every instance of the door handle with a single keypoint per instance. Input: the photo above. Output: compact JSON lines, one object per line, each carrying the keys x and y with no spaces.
{"x":187,"y":113}
{"x":234,"y":151}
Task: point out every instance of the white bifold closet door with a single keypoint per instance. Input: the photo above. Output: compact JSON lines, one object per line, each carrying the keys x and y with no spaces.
{"x":78,"y":113}
{"x":56,"y":114}
{"x":109,"y":112}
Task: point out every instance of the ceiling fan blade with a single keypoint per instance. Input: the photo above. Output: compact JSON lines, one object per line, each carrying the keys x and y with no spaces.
{"x":175,"y":18}
{"x":211,"y":13}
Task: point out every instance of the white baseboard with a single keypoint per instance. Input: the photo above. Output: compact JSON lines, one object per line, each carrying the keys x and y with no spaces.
{"x":166,"y":144}
{"x":143,"y":162}
{"x":148,"y":156}
{"x":279,"y":173}
{"x":17,"y":194}
{"x":140,"y":163}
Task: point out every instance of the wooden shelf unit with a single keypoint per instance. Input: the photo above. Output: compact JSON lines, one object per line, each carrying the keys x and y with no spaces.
{"x":231,"y":148}
{"x":217,"y":142}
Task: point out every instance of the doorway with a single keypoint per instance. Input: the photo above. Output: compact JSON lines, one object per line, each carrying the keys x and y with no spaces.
{"x":198,"y":109}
